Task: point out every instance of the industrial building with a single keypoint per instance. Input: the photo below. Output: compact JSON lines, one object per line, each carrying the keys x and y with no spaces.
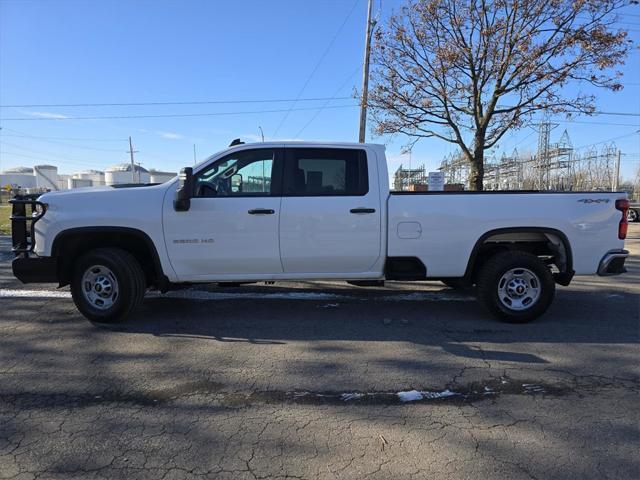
{"x":41,"y":178}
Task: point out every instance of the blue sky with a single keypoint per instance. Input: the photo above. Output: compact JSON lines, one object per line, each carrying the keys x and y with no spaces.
{"x":118,"y":51}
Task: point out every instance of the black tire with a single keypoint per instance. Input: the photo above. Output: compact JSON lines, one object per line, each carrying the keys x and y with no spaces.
{"x":456,"y":283}
{"x":522,"y":264}
{"x":130,"y":284}
{"x":632,"y":215}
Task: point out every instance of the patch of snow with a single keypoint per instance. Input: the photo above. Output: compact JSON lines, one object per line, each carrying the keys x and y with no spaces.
{"x":34,"y":293}
{"x":410,"y":396}
{"x":443,"y":394}
{"x":204,"y":295}
{"x":415,"y":395}
{"x":351,"y":396}
{"x":330,"y":305}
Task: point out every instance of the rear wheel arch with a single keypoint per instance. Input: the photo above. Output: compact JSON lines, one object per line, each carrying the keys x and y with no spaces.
{"x":71,"y":244}
{"x":549,"y":241}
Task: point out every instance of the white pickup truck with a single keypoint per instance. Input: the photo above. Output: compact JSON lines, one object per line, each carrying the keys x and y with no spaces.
{"x":308,"y":211}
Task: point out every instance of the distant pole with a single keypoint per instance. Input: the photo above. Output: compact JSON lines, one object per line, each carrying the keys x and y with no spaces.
{"x":194,"y":153}
{"x":261,"y":133}
{"x":365,"y":76}
{"x":616,"y":177}
{"x":133,"y":165}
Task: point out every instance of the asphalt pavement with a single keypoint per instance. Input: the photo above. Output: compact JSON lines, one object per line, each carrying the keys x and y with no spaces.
{"x":321,"y":381}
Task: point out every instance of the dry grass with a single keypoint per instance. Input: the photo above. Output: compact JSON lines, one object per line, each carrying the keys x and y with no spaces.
{"x":5,"y":223}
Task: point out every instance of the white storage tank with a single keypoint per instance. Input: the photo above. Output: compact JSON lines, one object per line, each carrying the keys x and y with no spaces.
{"x":95,"y":176}
{"x":156,"y":176}
{"x":46,"y":177}
{"x":121,"y":173}
{"x":63,"y":181}
{"x":18,"y":177}
{"x":78,"y":182}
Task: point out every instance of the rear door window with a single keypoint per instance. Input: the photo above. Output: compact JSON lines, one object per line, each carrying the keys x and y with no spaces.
{"x":325,"y":172}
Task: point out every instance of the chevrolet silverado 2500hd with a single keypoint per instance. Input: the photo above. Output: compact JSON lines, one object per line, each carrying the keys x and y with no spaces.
{"x":303,"y":211}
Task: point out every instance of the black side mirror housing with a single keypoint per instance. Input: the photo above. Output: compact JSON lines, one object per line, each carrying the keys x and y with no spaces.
{"x":182,"y":202}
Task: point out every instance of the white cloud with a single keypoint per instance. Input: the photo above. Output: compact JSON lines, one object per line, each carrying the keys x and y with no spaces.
{"x":167,"y":135}
{"x":57,"y":116}
{"x":170,"y":135}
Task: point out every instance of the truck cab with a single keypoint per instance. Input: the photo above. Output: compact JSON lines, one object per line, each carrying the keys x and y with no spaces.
{"x":274,"y":212}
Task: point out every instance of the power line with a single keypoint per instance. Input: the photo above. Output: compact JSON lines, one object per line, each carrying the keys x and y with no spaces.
{"x":142,"y":104}
{"x":175,"y":115}
{"x":595,"y":112}
{"x":338,"y":90}
{"x":610,"y":139}
{"x":42,"y":159}
{"x":37,"y":152}
{"x":564,"y":121}
{"x":622,"y":114}
{"x":55,"y":142}
{"x":80,"y":139}
{"x":315,"y":69}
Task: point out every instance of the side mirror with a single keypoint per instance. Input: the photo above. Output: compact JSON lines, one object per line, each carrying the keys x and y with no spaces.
{"x":182,"y":202}
{"x":236,"y":183}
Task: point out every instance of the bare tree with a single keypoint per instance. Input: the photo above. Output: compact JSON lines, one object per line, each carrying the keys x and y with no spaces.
{"x":467,"y":71}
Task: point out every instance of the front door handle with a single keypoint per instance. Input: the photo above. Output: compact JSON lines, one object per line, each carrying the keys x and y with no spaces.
{"x":261,"y":211}
{"x":363,"y":210}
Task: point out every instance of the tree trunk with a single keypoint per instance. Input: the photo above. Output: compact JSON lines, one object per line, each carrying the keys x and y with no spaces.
{"x":476,"y":170}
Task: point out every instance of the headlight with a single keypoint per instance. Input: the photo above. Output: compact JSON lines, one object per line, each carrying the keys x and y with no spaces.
{"x":38,"y":210}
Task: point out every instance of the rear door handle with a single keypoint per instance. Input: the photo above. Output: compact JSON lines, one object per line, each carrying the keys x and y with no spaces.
{"x":261,"y":211}
{"x":363,"y":210}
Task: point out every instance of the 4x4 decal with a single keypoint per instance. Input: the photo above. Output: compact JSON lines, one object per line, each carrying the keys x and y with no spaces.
{"x":594,"y":200}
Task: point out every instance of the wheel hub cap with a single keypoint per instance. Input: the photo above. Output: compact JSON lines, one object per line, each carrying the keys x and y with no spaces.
{"x":519,"y":289}
{"x":100,"y":287}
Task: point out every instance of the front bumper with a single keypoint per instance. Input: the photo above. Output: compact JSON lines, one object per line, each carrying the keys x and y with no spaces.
{"x":613,"y":263}
{"x":35,"y":269}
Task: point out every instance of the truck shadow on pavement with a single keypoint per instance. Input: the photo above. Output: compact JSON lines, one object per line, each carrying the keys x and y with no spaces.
{"x":575,"y":317}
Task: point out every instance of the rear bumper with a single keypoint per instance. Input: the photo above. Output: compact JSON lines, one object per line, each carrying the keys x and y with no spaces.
{"x":613,"y":263}
{"x":35,"y":269}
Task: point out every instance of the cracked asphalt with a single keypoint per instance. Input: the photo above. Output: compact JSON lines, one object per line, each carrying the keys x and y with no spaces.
{"x":251,"y":386}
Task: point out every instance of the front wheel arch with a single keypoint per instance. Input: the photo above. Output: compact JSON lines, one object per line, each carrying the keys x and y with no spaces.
{"x":72,"y":243}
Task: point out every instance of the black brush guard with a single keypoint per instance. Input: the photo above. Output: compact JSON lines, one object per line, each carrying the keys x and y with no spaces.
{"x":26,"y":267}
{"x":23,"y":221}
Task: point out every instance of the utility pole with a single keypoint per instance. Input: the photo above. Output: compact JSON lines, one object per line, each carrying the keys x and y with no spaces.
{"x":133,"y":165}
{"x":194,"y":153}
{"x":616,"y":177}
{"x":365,"y":75}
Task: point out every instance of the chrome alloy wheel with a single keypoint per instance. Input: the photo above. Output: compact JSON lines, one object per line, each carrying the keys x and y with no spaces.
{"x":99,"y":287}
{"x":519,"y":289}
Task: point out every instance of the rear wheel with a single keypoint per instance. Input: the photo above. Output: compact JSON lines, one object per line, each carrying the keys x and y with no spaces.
{"x":516,"y":286}
{"x":632,"y":215}
{"x":107,"y":284}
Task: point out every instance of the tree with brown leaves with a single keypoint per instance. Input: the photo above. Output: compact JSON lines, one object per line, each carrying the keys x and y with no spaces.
{"x":468,"y":71}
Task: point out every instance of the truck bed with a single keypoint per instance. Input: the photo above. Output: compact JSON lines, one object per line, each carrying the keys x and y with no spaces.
{"x":418,"y":222}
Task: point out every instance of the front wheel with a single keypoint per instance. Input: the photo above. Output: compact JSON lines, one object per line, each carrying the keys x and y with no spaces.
{"x":107,"y":284}
{"x":516,"y":286}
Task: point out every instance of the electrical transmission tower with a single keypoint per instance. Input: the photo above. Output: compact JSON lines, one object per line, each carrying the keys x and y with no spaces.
{"x":542,"y":155}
